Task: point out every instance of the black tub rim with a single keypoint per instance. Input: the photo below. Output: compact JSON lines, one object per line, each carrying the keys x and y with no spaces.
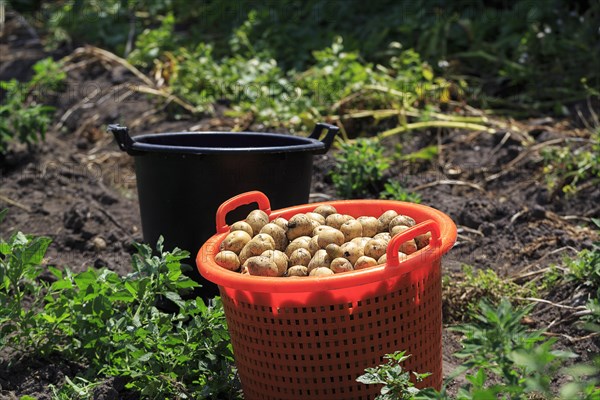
{"x":273,"y":142}
{"x":302,"y":144}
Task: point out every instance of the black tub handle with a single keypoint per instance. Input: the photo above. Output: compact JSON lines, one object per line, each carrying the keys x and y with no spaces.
{"x":332,"y":130}
{"x":125,"y":142}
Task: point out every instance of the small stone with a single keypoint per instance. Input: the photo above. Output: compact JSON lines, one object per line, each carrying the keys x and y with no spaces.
{"x":538,"y":212}
{"x":99,"y":243}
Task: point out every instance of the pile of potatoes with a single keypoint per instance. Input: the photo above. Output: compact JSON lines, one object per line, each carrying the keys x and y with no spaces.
{"x":318,"y":243}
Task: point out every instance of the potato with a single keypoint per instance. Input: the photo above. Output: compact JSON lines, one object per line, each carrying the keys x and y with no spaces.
{"x":321,"y":271}
{"x":242,"y":226}
{"x":408,"y":247}
{"x":385,"y":236}
{"x":313,"y":245}
{"x":340,"y":264}
{"x":257,"y":219}
{"x":370,"y":226}
{"x":278,"y":235}
{"x":315,"y":224}
{"x":364,"y":262}
{"x":280,"y":259}
{"x":316,"y":217}
{"x":352,"y":251}
{"x":325,"y":210}
{"x":360,"y":241}
{"x":397,"y":229}
{"x":281,"y":222}
{"x":235,"y":241}
{"x":255,"y":247}
{"x":262,"y":266}
{"x":334,"y":251}
{"x":300,"y":242}
{"x":297,"y":270}
{"x":320,"y":259}
{"x":328,"y":236}
{"x":351,"y":229}
{"x":300,"y":256}
{"x":336,"y":220}
{"x":228,"y":260}
{"x":401,"y":220}
{"x":375,"y":248}
{"x":383,"y":258}
{"x":321,"y":228}
{"x":423,"y":240}
{"x":384,"y":220}
{"x":299,"y":225}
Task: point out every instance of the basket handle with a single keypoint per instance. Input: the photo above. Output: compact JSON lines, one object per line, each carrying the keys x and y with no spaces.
{"x":241,"y":200}
{"x":426,"y":226}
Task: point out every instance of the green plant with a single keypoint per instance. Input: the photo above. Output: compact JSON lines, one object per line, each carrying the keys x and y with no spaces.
{"x":21,"y":117}
{"x":502,"y":358}
{"x":152,"y":43}
{"x":395,"y":190}
{"x":20,"y":258}
{"x":117,"y":325}
{"x":567,"y":169}
{"x":396,"y":381}
{"x":585,"y":267}
{"x":462,"y":293}
{"x":359,"y":168}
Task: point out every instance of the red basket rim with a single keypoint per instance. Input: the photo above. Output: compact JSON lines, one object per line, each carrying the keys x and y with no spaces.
{"x":426,"y":256}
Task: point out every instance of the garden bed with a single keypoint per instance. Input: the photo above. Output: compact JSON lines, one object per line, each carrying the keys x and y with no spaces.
{"x":78,"y":189}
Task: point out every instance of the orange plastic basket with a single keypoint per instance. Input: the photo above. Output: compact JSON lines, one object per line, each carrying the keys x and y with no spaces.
{"x":312,"y":337}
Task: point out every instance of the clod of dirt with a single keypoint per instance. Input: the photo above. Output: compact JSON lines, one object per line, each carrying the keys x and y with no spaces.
{"x":475,"y":212}
{"x":75,"y":217}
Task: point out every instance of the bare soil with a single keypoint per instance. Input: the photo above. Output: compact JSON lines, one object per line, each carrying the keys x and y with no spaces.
{"x":79,"y":189}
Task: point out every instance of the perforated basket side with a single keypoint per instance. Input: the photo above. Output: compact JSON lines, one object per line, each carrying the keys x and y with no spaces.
{"x":319,"y":351}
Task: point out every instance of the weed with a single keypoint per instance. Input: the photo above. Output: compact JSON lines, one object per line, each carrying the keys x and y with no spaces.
{"x":114,"y":324}
{"x":585,"y":267}
{"x":396,"y":381}
{"x":394,"y":190}
{"x":359,"y":168}
{"x":21,"y":117}
{"x":461,"y":295}
{"x":566,"y":168}
{"x":501,"y":359}
{"x":20,"y":259}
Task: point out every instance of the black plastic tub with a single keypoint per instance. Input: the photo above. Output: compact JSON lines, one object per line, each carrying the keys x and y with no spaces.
{"x":182,"y":178}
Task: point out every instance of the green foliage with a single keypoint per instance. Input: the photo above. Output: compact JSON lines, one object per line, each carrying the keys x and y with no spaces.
{"x":395,"y":190}
{"x":462,"y":294}
{"x":152,"y":43}
{"x":117,"y":325}
{"x":501,"y":359}
{"x":565,"y":168}
{"x":517,"y":48}
{"x":359,"y":168}
{"x":21,"y":117}
{"x":20,"y":259}
{"x":585,"y":267}
{"x":396,"y":381}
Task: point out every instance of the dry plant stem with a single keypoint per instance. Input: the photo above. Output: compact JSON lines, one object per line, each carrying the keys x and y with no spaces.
{"x":571,"y":338}
{"x":526,"y":268}
{"x":434,"y":124}
{"x":522,"y":156}
{"x":469,"y":230}
{"x":543,"y":301}
{"x":14,"y":203}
